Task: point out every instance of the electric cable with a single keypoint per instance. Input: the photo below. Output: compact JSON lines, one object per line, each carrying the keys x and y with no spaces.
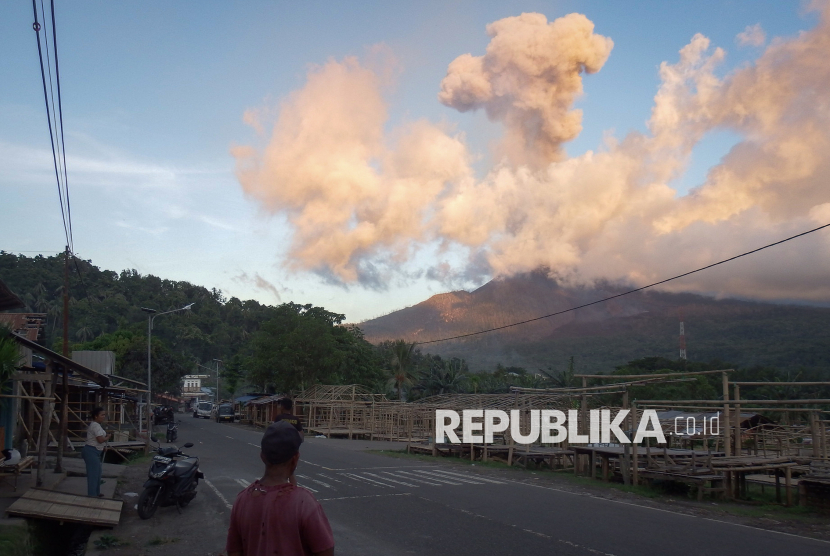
{"x":60,"y":118}
{"x":626,"y":292}
{"x":36,"y":26}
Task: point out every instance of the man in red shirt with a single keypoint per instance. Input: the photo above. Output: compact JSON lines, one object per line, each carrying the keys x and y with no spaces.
{"x":272,"y":516}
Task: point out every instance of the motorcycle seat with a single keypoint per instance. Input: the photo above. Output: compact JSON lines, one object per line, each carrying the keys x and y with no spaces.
{"x":185,"y":466}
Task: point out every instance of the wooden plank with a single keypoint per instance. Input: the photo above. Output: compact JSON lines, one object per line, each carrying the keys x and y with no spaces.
{"x":72,"y":499}
{"x":61,"y":506}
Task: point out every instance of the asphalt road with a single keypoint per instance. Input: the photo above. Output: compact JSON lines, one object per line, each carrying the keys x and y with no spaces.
{"x":379,"y":505}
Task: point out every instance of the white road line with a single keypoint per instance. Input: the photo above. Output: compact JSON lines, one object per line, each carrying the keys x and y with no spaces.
{"x":432,"y":474}
{"x":317,"y":465}
{"x":391,"y":480}
{"x":307,"y":488}
{"x":242,"y":482}
{"x":366,"y":480}
{"x":219,"y":494}
{"x":477,"y":478}
{"x":365,"y":496}
{"x":330,"y":478}
{"x":316,"y":481}
{"x":445,"y":481}
{"x":412,"y":479}
{"x":254,"y":445}
{"x":232,"y":438}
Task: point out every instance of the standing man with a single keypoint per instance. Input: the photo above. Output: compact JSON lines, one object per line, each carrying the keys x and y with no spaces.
{"x":273,"y":516}
{"x":284,"y":408}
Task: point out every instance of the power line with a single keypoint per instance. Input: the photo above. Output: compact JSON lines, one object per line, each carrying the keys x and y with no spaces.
{"x":36,"y":26}
{"x":60,"y":118}
{"x":625,"y":293}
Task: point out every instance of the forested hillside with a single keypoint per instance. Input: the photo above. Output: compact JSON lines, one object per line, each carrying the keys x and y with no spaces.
{"x":105,"y":313}
{"x":292,"y":346}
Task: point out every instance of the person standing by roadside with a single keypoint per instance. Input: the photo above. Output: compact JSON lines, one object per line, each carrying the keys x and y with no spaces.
{"x":284,"y":408}
{"x":284,"y":413}
{"x":93,"y":450}
{"x":273,"y":516}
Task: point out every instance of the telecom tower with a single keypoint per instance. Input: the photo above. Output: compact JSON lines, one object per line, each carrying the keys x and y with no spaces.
{"x":682,"y":337}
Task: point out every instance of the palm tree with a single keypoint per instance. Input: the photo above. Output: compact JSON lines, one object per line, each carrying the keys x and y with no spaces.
{"x":401,"y":365}
{"x":562,"y":379}
{"x":84,"y":333}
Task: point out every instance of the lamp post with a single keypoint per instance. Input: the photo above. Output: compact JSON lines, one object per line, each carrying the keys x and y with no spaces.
{"x":218,"y":362}
{"x":151,"y":316}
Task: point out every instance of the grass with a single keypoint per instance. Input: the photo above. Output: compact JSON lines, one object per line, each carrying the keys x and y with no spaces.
{"x":15,"y":540}
{"x":109,"y":541}
{"x":759,"y":505}
{"x":158,"y":541}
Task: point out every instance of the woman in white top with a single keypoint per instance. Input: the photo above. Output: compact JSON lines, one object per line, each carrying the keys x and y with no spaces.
{"x":92,"y":451}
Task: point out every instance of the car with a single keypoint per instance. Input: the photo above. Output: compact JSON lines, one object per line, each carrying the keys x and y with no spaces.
{"x":224,"y":413}
{"x":203,"y":409}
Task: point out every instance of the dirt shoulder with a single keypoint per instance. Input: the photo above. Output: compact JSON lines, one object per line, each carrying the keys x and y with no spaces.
{"x":199,"y":529}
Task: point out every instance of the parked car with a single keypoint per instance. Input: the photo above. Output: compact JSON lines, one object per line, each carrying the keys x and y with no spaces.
{"x":203,"y":410}
{"x":224,"y":413}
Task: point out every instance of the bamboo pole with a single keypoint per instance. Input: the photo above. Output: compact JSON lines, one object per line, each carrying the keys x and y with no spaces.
{"x":43,"y":439}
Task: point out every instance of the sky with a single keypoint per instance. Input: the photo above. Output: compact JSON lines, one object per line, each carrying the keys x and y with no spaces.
{"x":365,"y":156}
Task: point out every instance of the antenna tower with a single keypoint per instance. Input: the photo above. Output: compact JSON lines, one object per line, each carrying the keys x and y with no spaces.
{"x":682,"y":337}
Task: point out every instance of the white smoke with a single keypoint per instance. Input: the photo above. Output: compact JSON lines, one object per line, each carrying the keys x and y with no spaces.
{"x":355,"y":195}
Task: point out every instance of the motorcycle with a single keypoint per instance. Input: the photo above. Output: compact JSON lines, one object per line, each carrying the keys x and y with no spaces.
{"x":171,"y":482}
{"x":172,"y":431}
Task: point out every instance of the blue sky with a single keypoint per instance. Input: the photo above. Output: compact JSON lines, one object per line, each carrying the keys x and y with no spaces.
{"x":154,"y":93}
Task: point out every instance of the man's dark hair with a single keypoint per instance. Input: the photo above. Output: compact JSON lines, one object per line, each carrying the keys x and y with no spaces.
{"x":96,"y":412}
{"x":285,"y":403}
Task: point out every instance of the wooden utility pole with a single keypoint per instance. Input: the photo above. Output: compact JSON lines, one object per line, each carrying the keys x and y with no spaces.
{"x":66,"y":303}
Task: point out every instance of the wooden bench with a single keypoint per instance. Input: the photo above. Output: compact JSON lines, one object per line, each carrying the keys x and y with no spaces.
{"x":17,"y":468}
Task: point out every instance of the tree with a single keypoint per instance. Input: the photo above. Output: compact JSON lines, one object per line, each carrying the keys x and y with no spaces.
{"x":232,"y":374}
{"x":302,"y":345}
{"x":9,"y":356}
{"x":402,"y":365}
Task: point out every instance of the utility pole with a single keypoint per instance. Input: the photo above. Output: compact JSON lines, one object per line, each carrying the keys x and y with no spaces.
{"x":66,"y":303}
{"x":218,"y":361}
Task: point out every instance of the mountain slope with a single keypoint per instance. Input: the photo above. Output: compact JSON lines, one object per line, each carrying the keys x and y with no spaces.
{"x":607,"y":334}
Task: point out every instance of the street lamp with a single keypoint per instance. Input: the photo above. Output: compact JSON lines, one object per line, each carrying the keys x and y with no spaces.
{"x":151,"y":316}
{"x":218,"y":362}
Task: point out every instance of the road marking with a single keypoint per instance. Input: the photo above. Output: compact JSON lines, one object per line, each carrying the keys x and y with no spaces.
{"x":411,"y":479}
{"x":254,"y":445}
{"x":318,"y":465}
{"x":391,"y":480}
{"x":477,"y":478}
{"x":435,"y":475}
{"x":366,"y":480}
{"x":445,"y":481}
{"x":242,"y":482}
{"x":365,"y":496}
{"x":316,"y":481}
{"x":232,"y":438}
{"x":330,"y":478}
{"x":219,"y":494}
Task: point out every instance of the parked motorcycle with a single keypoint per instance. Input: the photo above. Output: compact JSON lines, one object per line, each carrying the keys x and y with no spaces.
{"x":171,"y":482}
{"x":172,"y":431}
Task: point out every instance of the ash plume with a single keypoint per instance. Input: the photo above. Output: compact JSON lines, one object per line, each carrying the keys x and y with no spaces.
{"x":356,"y":193}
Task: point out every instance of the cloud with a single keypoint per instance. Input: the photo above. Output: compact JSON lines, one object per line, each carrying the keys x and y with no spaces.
{"x":753,"y":35}
{"x":360,"y":197}
{"x":259,"y":283}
